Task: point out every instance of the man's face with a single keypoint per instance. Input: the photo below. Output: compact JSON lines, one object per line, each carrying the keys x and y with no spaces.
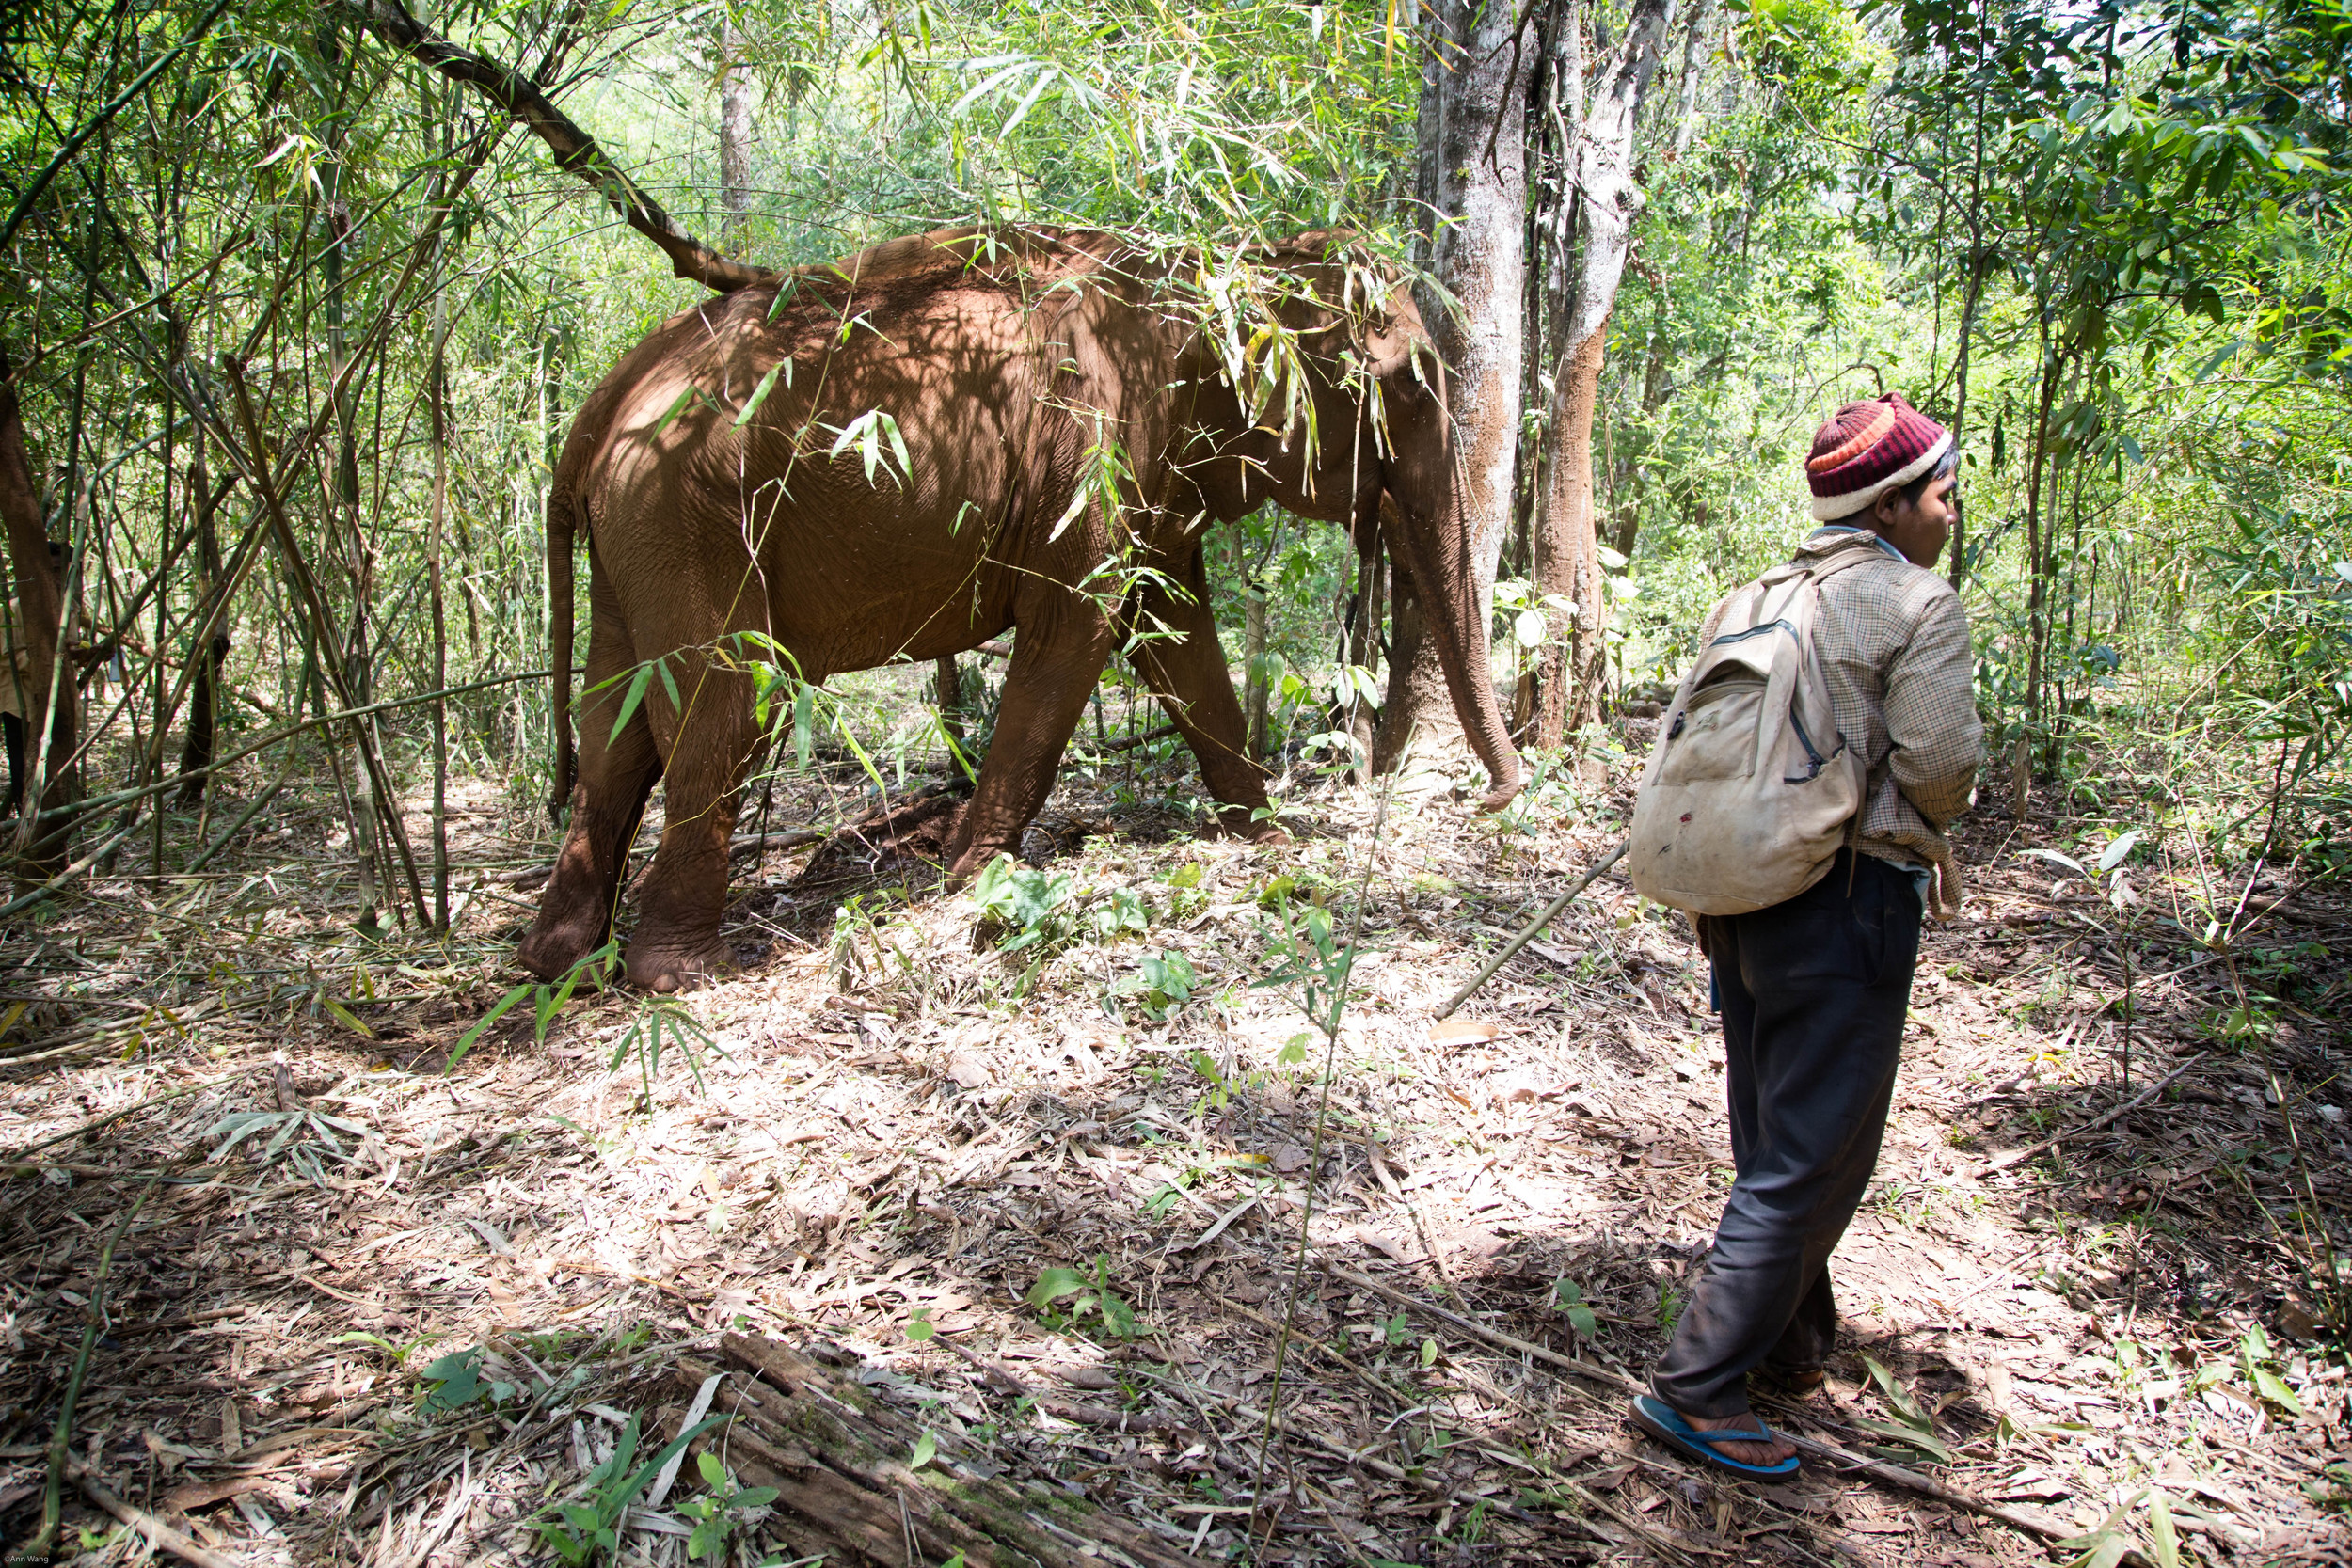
{"x":1919,"y":531}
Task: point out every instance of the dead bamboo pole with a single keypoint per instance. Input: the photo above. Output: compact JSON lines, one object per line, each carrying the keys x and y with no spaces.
{"x":1527,"y":932}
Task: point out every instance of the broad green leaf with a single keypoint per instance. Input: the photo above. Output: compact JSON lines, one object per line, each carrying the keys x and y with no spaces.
{"x":2114,"y":853}
{"x":678,"y":407}
{"x":1054,"y":1283}
{"x":345,"y":1017}
{"x":497,"y":1009}
{"x":926,"y":1449}
{"x":2270,"y":1385}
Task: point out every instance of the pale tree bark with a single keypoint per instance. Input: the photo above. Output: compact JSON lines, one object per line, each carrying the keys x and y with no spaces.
{"x":735,"y":135}
{"x":1601,"y":215}
{"x":1695,"y":55}
{"x":1471,"y":176}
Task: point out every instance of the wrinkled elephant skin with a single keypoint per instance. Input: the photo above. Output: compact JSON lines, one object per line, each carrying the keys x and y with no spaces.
{"x":1064,"y":424}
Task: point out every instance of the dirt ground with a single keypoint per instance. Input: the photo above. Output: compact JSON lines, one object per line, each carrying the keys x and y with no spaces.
{"x":357,"y":1304}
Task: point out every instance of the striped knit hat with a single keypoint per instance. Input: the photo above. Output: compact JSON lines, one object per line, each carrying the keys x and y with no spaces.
{"x":1869,"y":449}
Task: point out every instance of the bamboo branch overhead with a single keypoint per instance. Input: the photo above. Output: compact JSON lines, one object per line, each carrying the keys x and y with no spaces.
{"x":575,"y":150}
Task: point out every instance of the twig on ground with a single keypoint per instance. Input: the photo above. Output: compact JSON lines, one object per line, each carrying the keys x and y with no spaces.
{"x":1527,"y":932}
{"x":2047,"y":1529}
{"x":95,"y":1123}
{"x":2018,"y":1156}
{"x":161,"y":1536}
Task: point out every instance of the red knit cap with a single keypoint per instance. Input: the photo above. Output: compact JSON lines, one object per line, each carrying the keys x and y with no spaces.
{"x":1869,"y":449}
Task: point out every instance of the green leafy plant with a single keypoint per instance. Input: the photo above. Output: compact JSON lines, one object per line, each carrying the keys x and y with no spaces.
{"x":305,"y":1138}
{"x":2254,"y":1356}
{"x":1064,"y":1297}
{"x":1569,"y":1296}
{"x":547,"y":999}
{"x":660,"y":1019}
{"x":455,"y":1381}
{"x":1162,"y":984}
{"x":719,"y":1512}
{"x":1022,"y":906}
{"x":579,"y":1532}
{"x":1912,"y":1426}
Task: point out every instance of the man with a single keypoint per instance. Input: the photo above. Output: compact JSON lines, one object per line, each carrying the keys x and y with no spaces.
{"x":15,"y":670}
{"x":1814,"y":990}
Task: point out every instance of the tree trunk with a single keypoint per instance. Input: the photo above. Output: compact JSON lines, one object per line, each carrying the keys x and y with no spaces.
{"x":1570,"y":669}
{"x":735,"y":136}
{"x":1601,"y":217}
{"x":1695,"y":55}
{"x":41,"y":613}
{"x":1473,"y":178}
{"x":437,"y":392}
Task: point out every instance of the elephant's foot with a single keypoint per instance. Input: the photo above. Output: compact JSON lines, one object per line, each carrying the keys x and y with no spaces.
{"x":664,"y":967}
{"x":558,"y":941}
{"x":1236,"y":822}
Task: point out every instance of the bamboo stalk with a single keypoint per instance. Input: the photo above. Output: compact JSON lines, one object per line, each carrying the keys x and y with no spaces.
{"x":310,"y":601}
{"x":436,"y":396}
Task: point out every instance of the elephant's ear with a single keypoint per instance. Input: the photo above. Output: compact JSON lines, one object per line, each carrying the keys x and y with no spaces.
{"x":1405,"y":362}
{"x":1397,"y":349}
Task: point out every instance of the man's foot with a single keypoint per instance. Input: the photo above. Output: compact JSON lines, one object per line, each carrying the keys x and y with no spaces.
{"x":1747,"y":1453}
{"x":1747,"y":1447}
{"x":1796,"y":1383}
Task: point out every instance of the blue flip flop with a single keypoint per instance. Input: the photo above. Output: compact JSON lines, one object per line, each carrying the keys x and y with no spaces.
{"x":1665,"y":1424}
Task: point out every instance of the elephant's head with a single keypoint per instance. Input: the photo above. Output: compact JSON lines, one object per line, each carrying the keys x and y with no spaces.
{"x":1381,"y":433}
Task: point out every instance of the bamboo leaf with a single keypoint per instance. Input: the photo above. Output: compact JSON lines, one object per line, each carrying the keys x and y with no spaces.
{"x":759,"y":393}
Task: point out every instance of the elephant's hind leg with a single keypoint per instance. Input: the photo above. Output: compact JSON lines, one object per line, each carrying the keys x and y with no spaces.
{"x":616,"y":773}
{"x":707,"y":738}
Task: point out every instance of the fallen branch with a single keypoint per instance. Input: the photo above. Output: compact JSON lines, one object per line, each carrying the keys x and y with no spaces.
{"x":161,"y":1536}
{"x":2019,"y":1156}
{"x":848,"y":1484}
{"x":575,"y":150}
{"x":1527,"y":932}
{"x":112,"y":1116}
{"x":1895,"y":1475}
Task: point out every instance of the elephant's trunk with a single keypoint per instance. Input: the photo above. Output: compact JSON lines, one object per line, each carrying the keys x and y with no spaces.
{"x":1438,"y":558}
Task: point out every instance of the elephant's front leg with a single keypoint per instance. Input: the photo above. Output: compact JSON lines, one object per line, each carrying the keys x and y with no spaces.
{"x":1182,"y":658}
{"x":1055,"y":665}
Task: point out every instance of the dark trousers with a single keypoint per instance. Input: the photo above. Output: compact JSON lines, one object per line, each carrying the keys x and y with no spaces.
{"x":12,"y":730}
{"x":1814,"y":993}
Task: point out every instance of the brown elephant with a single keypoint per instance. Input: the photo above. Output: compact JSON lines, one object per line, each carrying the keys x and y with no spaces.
{"x":1068,"y":433}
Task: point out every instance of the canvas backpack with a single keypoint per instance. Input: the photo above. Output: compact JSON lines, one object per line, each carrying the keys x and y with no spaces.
{"x":1751,"y":789}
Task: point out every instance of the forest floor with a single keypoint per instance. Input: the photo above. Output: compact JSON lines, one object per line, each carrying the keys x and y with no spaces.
{"x":415,"y":1302}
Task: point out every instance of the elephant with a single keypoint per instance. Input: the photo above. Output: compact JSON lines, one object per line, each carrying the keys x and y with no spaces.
{"x":908,"y":451}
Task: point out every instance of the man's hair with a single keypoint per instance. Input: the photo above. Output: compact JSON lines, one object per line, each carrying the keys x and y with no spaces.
{"x":1945,"y":465}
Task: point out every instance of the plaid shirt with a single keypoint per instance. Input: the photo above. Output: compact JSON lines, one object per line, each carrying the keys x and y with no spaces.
{"x":1894,"y":649}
